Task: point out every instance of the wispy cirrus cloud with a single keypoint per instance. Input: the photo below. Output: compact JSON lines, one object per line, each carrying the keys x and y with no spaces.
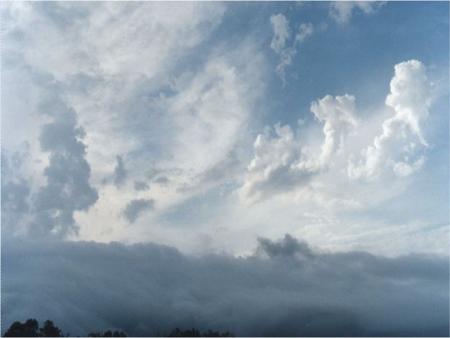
{"x":282,"y":42}
{"x":342,"y":11}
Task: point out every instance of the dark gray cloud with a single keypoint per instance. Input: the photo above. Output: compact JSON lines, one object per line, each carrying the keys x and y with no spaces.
{"x":15,"y":191}
{"x":287,"y":247}
{"x":285,"y":288}
{"x":141,"y":185}
{"x":120,"y":172}
{"x":67,"y":188}
{"x":136,"y":207}
{"x":162,"y":180}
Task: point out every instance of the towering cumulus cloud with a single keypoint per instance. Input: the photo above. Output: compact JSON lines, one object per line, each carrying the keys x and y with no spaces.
{"x":282,"y":164}
{"x":400,"y":145}
{"x":279,"y":164}
{"x":338,"y":117}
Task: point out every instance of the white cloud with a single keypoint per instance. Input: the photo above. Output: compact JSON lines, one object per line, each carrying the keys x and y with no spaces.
{"x":282,"y":164}
{"x":342,"y":11}
{"x":401,"y":144}
{"x":109,"y":39}
{"x":281,"y":31}
{"x":181,"y":111}
{"x":210,"y":112}
{"x":121,"y":66}
{"x":305,"y":30}
{"x":283,"y":45}
{"x":279,"y":165}
{"x":338,"y":116}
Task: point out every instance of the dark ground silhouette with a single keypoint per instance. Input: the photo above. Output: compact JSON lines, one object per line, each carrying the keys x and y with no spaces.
{"x":30,"y":328}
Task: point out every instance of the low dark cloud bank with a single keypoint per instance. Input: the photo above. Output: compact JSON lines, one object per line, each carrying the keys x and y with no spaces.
{"x":285,"y":288}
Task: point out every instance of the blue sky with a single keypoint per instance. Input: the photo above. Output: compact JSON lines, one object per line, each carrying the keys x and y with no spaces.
{"x":296,"y":153}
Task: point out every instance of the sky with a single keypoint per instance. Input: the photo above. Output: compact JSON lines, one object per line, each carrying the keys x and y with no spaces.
{"x":294,"y":153}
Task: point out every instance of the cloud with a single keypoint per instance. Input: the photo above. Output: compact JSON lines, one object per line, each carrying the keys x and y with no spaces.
{"x":120,"y":172}
{"x":100,"y":72}
{"x":111,"y":35}
{"x":210,"y":110}
{"x":342,"y":11}
{"x":279,"y":165}
{"x":338,"y":116}
{"x":399,"y":148}
{"x":305,"y":30}
{"x":145,"y":80}
{"x":282,"y":36}
{"x":286,"y":247}
{"x":285,"y":288}
{"x":136,"y":207}
{"x":67,"y":188}
{"x":54,"y":176}
{"x":282,"y":164}
{"x":15,"y":192}
{"x":281,"y":31}
{"x":141,"y":185}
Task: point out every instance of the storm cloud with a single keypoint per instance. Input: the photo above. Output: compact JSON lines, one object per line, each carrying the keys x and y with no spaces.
{"x":67,"y":188}
{"x":284,"y":288}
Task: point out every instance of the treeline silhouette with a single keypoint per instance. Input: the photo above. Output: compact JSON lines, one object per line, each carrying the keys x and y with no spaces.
{"x":30,"y":328}
{"x":196,"y":333}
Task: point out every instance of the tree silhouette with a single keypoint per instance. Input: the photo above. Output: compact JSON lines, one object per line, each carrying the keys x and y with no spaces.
{"x":27,"y":329}
{"x":196,"y":333}
{"x":49,"y":330}
{"x":108,"y":333}
{"x":30,"y":328}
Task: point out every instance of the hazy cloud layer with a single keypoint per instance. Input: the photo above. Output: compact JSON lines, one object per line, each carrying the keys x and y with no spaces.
{"x":285,"y":288}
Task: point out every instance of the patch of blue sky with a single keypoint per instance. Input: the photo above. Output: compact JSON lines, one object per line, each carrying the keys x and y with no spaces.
{"x":355,"y":58}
